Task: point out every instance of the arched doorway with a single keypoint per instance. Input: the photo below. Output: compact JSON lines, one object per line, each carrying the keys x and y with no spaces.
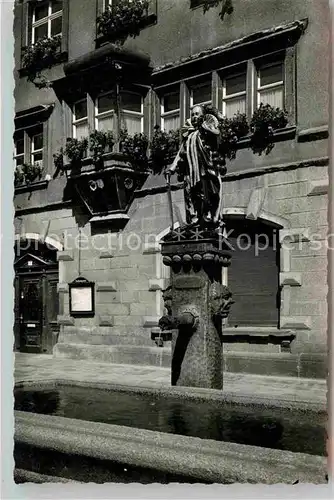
{"x":36,"y":297}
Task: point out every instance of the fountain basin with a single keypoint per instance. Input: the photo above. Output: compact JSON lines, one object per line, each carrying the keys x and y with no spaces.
{"x":121,"y":453}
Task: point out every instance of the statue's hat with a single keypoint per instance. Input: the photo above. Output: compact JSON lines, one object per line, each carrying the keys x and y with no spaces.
{"x":211,"y":124}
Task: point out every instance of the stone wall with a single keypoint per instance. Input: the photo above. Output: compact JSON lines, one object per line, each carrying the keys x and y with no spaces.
{"x":129,"y":275}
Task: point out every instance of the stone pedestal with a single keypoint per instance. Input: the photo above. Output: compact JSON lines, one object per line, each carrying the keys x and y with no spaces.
{"x":196,"y":302}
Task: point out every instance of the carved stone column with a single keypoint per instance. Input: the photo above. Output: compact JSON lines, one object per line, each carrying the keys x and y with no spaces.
{"x":196,"y":302}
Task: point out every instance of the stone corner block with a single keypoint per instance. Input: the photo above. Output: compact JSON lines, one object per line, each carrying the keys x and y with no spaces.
{"x":151,"y":248}
{"x":255,"y":203}
{"x":318,"y":187}
{"x":62,"y":287}
{"x":65,"y":255}
{"x":290,"y":278}
{"x":106,"y":255}
{"x":150,"y":321}
{"x":296,"y":322}
{"x":107,"y":286}
{"x":156,"y":284}
{"x":106,"y":320}
{"x":294,"y":234}
{"x":65,"y":320}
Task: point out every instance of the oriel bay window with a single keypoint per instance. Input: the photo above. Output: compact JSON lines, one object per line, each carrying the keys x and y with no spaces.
{"x":129,"y":117}
{"x":108,"y":111}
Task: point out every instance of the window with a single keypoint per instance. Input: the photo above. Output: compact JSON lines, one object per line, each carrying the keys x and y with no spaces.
{"x":47,"y":18}
{"x":105,"y":115}
{"x":105,"y":107}
{"x":170,"y":111}
{"x":19,"y":148}
{"x":132,"y":112}
{"x":270,"y":84}
{"x":80,"y":119}
{"x":37,"y":147}
{"x":200,"y":94}
{"x":234,"y":94}
{"x":28,"y":146}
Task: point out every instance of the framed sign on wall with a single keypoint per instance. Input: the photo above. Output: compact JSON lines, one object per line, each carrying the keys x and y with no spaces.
{"x":82,"y":298}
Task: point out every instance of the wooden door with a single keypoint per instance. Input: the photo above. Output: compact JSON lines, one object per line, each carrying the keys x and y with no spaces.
{"x":51,"y":301}
{"x":30,"y":313}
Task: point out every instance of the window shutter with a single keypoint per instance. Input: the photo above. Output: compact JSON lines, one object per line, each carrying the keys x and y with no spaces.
{"x":253,"y":281}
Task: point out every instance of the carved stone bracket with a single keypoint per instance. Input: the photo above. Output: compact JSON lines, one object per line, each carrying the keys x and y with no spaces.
{"x":195,"y":248}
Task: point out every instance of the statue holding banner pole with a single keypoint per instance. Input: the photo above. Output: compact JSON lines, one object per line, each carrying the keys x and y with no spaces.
{"x":198,"y":165}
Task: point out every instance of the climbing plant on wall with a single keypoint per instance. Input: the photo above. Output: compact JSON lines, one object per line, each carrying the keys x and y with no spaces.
{"x":40,"y":56}
{"x":227,"y":7}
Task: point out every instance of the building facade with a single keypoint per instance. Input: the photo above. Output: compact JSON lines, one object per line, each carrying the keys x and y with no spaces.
{"x":103,"y":221}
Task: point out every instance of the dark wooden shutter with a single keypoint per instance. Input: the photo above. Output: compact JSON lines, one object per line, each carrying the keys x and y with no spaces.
{"x":253,"y":279}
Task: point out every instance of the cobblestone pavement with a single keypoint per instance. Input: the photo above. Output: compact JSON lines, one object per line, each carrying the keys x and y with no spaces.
{"x":38,"y":367}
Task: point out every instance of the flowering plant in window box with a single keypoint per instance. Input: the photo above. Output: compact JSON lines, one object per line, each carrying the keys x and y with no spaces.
{"x":135,"y":147}
{"x":39,"y":56}
{"x":164,"y":146}
{"x":100,"y":142}
{"x":122,"y":20}
{"x":227,"y":7}
{"x":76,"y":150}
{"x":265,"y":121}
{"x":27,"y":173}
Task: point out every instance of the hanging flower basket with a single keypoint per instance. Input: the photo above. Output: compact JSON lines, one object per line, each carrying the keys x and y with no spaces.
{"x":125,"y":19}
{"x":40,"y":56}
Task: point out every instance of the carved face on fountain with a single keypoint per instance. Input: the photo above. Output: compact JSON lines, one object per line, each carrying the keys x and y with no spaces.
{"x":221,"y":301}
{"x":167,"y":298}
{"x":197,"y":116}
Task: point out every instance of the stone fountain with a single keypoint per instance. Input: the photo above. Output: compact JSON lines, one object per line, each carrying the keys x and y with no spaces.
{"x":196,"y":300}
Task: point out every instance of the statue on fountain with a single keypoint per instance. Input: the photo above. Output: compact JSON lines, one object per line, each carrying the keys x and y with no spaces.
{"x":198,"y":164}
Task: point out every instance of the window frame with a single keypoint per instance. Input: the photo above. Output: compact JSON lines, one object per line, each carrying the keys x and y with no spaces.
{"x":191,"y":86}
{"x":238,"y":71}
{"x":19,"y":155}
{"x":279,"y":84}
{"x":93,"y":116}
{"x":123,"y":111}
{"x":26,"y":33}
{"x":45,"y":20}
{"x":104,"y":114}
{"x":79,"y":121}
{"x":29,"y":132}
{"x":34,"y":151}
{"x":174,"y":112}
